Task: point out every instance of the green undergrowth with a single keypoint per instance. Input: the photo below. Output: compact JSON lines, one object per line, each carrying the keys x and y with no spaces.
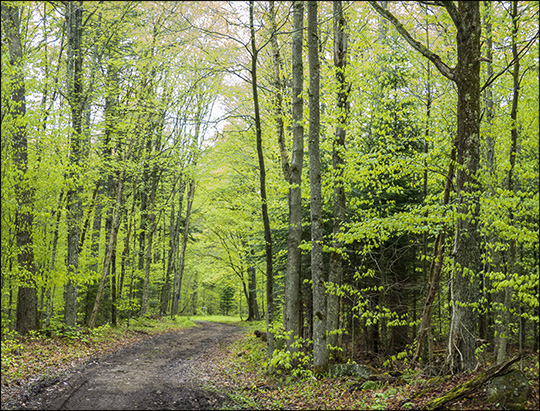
{"x":56,"y":348}
{"x":252,"y":385}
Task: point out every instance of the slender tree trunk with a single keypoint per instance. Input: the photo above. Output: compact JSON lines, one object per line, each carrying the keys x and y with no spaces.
{"x":174,"y":238}
{"x":111,"y":246}
{"x":492,"y":257}
{"x":503,"y":334}
{"x":428,"y":351}
{"x":436,"y":266}
{"x":292,"y":307}
{"x":335,"y":274}
{"x":50,"y":295}
{"x":262,"y":180}
{"x":253,"y":310}
{"x":151,"y":223}
{"x":74,"y":204}
{"x":278,"y":95}
{"x":278,"y":84}
{"x":179,"y":273}
{"x":320,"y":352}
{"x":27,"y":315}
{"x":126,"y":250}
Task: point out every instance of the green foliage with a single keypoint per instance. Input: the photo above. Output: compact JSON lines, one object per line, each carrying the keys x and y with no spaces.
{"x":160,"y":115}
{"x":227,"y":299}
{"x":289,"y":364}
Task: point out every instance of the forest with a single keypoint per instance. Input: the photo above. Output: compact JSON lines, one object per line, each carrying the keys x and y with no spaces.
{"x":361,"y":176}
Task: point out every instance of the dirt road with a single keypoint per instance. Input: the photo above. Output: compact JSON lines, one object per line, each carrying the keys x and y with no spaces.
{"x":161,"y":372}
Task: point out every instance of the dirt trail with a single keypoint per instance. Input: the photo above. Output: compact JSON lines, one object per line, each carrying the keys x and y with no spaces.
{"x":161,"y":372}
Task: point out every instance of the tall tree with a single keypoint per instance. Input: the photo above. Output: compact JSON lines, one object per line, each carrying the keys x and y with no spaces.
{"x":27,"y":316}
{"x":262,"y":181}
{"x":503,"y":327}
{"x":74,"y":24}
{"x":320,"y":352}
{"x":291,"y":312}
{"x":335,"y":273}
{"x":466,"y":75}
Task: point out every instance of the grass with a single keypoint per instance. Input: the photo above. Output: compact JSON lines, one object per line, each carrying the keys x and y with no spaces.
{"x":216,"y":318}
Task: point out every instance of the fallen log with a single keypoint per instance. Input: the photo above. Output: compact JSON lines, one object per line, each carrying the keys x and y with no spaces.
{"x":470,"y":386}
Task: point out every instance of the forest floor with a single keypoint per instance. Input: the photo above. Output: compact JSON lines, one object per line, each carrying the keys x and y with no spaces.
{"x":209,"y":366}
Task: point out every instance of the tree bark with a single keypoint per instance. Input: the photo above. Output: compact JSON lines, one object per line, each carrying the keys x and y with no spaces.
{"x":252,"y":284}
{"x":320,"y":352}
{"x":292,"y":301}
{"x":74,"y":203}
{"x":179,"y":273}
{"x":27,"y":313}
{"x":335,"y":274}
{"x":174,"y":239}
{"x":151,"y":223}
{"x":278,"y":94}
{"x":464,"y":290}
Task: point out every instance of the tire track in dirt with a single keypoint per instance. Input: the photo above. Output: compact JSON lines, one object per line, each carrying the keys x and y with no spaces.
{"x":160,"y":372}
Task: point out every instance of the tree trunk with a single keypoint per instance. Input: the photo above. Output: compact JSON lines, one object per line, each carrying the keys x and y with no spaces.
{"x":335,"y":274}
{"x":291,"y":312}
{"x":50,"y":296}
{"x":179,"y":273}
{"x":253,"y":309}
{"x":262,"y":180}
{"x":278,"y":95}
{"x":320,"y":352}
{"x":151,"y":224}
{"x":74,"y":203}
{"x":492,"y":257}
{"x":503,"y":334}
{"x":435,"y":268}
{"x":467,"y":264}
{"x":27,"y":315}
{"x":174,"y":238}
{"x":468,"y":388}
{"x":111,"y":246}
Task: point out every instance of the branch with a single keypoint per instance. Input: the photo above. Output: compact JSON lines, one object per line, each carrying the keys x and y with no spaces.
{"x":454,"y":14}
{"x":492,"y":78}
{"x":434,"y":58}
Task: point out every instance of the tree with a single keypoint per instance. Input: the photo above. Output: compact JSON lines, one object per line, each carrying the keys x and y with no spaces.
{"x":27,"y":316}
{"x":75,"y":98}
{"x":320,"y":353}
{"x":291,"y":312}
{"x":466,"y":75}
{"x":262,"y":181}
{"x":227,"y":299}
{"x":335,"y":274}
